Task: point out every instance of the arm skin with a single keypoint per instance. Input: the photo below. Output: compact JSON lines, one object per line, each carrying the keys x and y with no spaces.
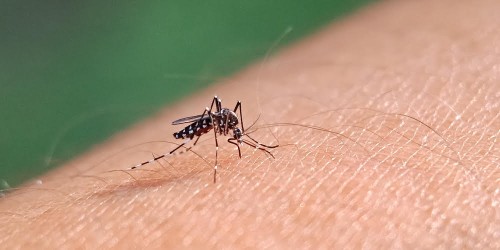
{"x":408,"y":156}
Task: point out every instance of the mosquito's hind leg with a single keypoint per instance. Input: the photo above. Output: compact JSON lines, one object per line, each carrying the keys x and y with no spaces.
{"x":161,"y":156}
{"x":194,"y":144}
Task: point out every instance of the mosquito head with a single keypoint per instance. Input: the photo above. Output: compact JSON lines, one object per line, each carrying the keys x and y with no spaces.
{"x":237,"y":134}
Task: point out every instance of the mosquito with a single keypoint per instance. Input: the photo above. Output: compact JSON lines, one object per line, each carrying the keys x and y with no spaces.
{"x":224,"y":122}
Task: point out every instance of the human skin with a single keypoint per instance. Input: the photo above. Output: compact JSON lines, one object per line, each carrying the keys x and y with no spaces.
{"x":387,"y":123}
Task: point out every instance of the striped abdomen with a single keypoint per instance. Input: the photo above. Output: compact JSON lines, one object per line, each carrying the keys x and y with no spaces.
{"x":196,"y":128}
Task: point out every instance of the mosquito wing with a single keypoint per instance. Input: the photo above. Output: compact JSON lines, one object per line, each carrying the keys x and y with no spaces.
{"x":189,"y":119}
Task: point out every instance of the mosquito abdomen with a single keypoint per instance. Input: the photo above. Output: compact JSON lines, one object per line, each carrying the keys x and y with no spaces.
{"x":196,"y":128}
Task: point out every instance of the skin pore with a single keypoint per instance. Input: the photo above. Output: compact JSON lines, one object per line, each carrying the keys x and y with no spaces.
{"x":388,"y":125}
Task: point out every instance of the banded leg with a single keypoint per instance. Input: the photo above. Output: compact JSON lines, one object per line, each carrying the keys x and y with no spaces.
{"x":161,"y":156}
{"x":218,"y":104}
{"x":216,"y":147}
{"x":226,"y":125}
{"x":238,"y":106}
{"x":194,"y":144}
{"x":214,"y":101}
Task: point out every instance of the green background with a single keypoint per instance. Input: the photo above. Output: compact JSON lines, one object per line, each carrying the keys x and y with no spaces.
{"x":74,"y":72}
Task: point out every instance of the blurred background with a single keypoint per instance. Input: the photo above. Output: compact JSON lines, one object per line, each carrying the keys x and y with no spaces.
{"x":74,"y":72}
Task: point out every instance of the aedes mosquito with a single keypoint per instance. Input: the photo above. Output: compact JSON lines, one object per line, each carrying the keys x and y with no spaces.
{"x":223,"y":121}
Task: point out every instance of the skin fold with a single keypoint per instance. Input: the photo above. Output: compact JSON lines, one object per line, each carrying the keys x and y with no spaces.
{"x":387,"y":123}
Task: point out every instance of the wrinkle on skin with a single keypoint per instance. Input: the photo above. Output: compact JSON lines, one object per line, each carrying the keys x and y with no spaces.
{"x":406,"y":157}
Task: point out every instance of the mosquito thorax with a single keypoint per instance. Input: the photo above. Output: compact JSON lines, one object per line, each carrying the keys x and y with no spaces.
{"x":232,"y":118}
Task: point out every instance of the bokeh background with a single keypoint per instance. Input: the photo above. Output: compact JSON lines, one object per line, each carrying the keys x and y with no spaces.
{"x":72,"y":73}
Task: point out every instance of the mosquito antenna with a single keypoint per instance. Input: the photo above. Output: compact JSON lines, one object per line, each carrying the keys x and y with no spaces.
{"x":256,"y":120}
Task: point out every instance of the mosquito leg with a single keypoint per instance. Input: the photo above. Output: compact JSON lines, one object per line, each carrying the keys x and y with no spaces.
{"x":194,"y":144}
{"x":154,"y":156}
{"x":170,"y":164}
{"x":216,"y":150}
{"x":216,"y":102}
{"x":175,"y":149}
{"x":209,"y":110}
{"x":219,"y":104}
{"x":161,"y":156}
{"x":238,"y":106}
{"x":231,"y":140}
{"x":226,"y":125}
